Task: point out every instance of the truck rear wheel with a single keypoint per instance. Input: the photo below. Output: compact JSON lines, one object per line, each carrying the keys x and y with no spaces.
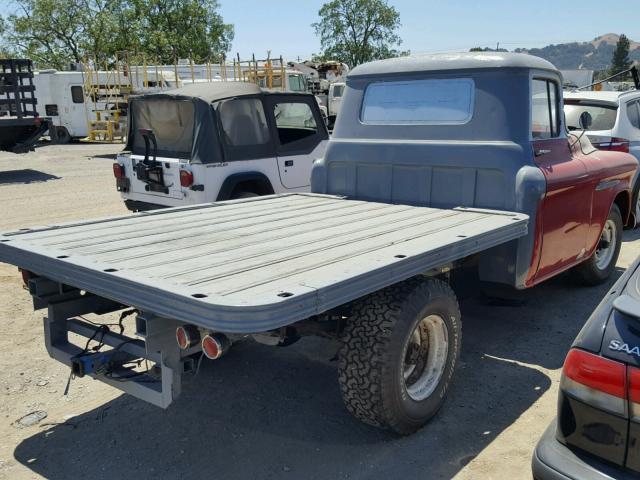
{"x":598,"y":268}
{"x":399,"y":351}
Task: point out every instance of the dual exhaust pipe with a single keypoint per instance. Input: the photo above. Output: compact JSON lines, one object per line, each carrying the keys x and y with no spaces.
{"x":214,"y":345}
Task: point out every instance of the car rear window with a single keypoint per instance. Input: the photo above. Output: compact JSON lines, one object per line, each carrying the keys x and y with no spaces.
{"x":603,"y":116}
{"x":172,"y":122}
{"x":419,"y":102}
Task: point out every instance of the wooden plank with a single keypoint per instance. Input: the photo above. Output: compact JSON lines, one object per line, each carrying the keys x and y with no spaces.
{"x":232,"y":281}
{"x":194,"y":247}
{"x":330,"y":279}
{"x":143,"y":225}
{"x":226,"y":260}
{"x":225,"y":266}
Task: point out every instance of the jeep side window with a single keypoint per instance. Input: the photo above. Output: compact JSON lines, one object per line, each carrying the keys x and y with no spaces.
{"x":294,"y":121}
{"x":243,"y":122}
{"x":544,"y":109}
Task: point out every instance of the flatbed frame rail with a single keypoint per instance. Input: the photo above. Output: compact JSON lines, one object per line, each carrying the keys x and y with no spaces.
{"x":253,"y":265}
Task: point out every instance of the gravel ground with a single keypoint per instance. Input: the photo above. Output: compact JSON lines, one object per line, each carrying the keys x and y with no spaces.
{"x":265,"y":412}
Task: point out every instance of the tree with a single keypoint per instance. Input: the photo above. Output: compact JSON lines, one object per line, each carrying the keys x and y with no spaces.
{"x":358,"y":31}
{"x":620,"y":61}
{"x":4,"y":49}
{"x":171,"y":29}
{"x":54,"y":33}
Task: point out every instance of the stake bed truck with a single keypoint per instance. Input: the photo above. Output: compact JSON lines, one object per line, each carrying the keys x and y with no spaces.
{"x":437,"y":162}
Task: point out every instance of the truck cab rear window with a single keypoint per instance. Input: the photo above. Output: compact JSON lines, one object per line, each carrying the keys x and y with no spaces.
{"x":172,"y":122}
{"x":419,"y":102}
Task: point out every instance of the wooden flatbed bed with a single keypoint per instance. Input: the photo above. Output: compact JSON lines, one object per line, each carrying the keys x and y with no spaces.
{"x":257,"y":264}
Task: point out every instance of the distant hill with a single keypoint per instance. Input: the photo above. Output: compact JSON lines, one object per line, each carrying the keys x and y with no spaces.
{"x":593,"y":55}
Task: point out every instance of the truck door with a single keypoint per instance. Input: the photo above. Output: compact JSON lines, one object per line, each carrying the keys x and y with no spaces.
{"x":564,"y":216}
{"x":300,"y":135}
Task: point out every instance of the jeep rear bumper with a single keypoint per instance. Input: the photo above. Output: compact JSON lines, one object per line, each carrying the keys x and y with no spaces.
{"x":138,"y":206}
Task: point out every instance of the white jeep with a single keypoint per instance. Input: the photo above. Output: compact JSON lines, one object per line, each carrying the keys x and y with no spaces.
{"x":217,"y":141}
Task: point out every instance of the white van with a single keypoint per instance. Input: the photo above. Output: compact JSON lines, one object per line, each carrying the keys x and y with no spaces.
{"x":61,"y":96}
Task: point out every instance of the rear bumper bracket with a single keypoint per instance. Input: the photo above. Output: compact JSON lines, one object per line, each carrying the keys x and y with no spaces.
{"x":160,"y":386}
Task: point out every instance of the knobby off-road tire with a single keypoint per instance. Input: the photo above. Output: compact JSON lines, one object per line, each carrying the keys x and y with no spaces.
{"x":599,"y":267}
{"x":379,"y":347}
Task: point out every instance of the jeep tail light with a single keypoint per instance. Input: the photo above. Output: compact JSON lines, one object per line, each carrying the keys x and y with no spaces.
{"x":118,"y":170}
{"x":615,"y":145}
{"x":186,"y":178}
{"x":596,"y":381}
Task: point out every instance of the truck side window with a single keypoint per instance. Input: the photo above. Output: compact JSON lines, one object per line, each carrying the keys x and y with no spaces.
{"x":77,"y":95}
{"x":544,"y":109}
{"x":294,"y":121}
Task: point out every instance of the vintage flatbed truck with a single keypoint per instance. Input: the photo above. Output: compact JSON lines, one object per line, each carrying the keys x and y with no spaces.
{"x":436,"y":163}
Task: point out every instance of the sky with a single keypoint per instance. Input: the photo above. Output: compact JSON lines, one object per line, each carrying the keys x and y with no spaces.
{"x":284,"y":26}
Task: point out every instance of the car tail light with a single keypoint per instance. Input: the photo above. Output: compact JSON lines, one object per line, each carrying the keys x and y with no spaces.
{"x":186,"y":178}
{"x":118,"y":170}
{"x":187,"y":336}
{"x":595,"y":380}
{"x":634,"y":392}
{"x":616,"y":145}
{"x":214,"y":345}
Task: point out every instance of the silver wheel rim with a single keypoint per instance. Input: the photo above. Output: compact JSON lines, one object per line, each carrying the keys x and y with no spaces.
{"x":425,"y":357}
{"x":638,"y":210}
{"x":606,"y":245}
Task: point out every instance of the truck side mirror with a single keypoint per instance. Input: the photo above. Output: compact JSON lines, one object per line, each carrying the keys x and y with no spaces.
{"x":585,"y":120}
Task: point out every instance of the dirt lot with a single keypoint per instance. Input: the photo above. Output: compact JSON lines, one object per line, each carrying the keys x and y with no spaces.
{"x":264,"y":412}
